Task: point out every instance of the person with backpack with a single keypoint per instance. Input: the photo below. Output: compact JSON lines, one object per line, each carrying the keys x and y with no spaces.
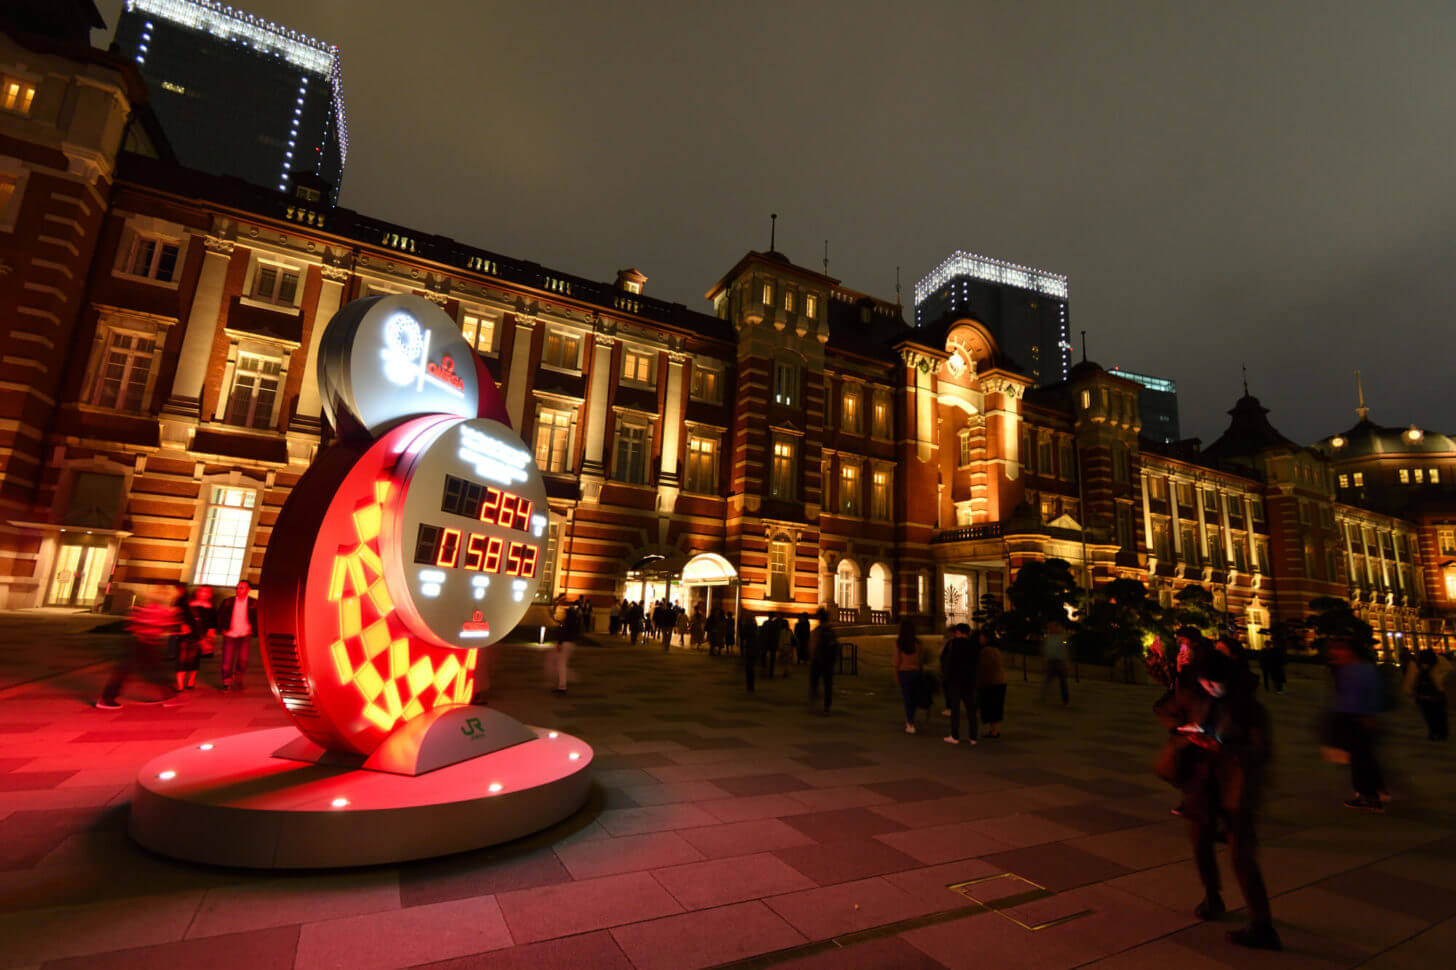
{"x":959,"y":662}
{"x":1425,"y":682}
{"x":909,"y":668}
{"x":823,"y":660}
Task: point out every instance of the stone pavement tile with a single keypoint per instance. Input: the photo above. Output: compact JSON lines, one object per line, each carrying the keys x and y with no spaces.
{"x":753,"y":807}
{"x":1176,"y":885}
{"x":111,"y":736}
{"x":1057,"y":867}
{"x":850,"y":907}
{"x":621,"y":777}
{"x":680,"y":791}
{"x":26,"y":837}
{"x":1018,"y":831}
{"x":579,"y":907}
{"x":1286,"y":868}
{"x":845,"y":861}
{"x":1362,"y":925}
{"x":1420,"y":867}
{"x":649,"y":759}
{"x":20,"y":727}
{"x":713,"y":770}
{"x":1164,"y":955}
{"x":733,"y":880}
{"x":631,"y":853}
{"x":1110,"y":786}
{"x":1155,"y":807}
{"x":1090,"y":818}
{"x":653,"y":818}
{"x":931,"y":883}
{"x":912,"y":790}
{"x":1116,"y":921}
{"x":297,"y":898}
{"x":697,"y":743}
{"x":32,"y":936}
{"x":1433,"y":948}
{"x":829,"y":747}
{"x":1386,"y":890}
{"x":480,"y":874}
{"x":827,"y":799}
{"x":743,"y":785}
{"x":1142,"y":847}
{"x":1029,"y":775}
{"x":588,"y":951}
{"x":877,"y":954}
{"x":988,"y":940}
{"x":616,"y":798}
{"x":705,"y":938}
{"x":1052,"y":796}
{"x":743,"y":838}
{"x":943,"y":843}
{"x":831,"y":760}
{"x":842,"y":825}
{"x":746,"y":759}
{"x":404,"y":937}
{"x":944,"y":811}
{"x":1303,"y":950}
{"x":10,"y":764}
{"x":266,"y":949}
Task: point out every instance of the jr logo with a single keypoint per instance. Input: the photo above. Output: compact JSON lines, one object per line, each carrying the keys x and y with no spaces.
{"x":472,"y":728}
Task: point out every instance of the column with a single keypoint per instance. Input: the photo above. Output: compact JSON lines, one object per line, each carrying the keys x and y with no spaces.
{"x":307,"y":413}
{"x":1175,"y":527}
{"x":186,"y":397}
{"x":519,"y":374}
{"x":1202,"y":526}
{"x":596,"y":405}
{"x":672,"y":420}
{"x":1228,"y":536}
{"x":1147,"y":516}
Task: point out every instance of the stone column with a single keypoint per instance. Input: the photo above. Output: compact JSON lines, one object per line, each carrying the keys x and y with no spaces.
{"x":518,"y":376}
{"x":309,"y":405}
{"x":672,"y":420}
{"x":1175,"y":525}
{"x":593,"y":463}
{"x":186,"y":397}
{"x":1147,"y":516}
{"x":1228,"y":536}
{"x":1202,"y":526}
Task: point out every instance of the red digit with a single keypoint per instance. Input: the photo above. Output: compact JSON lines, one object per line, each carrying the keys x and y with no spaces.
{"x":528,"y":562}
{"x":490,"y":508}
{"x":523,"y":514}
{"x":513,"y":559}
{"x":449,"y":548}
{"x":474,"y":551}
{"x":493,"y":554}
{"x":509,"y":506}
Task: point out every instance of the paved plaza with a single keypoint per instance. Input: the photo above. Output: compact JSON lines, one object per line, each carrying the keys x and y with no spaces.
{"x":727,"y":829}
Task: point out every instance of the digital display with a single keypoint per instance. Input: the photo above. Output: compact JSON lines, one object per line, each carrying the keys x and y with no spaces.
{"x":450,"y":548}
{"x":487,"y":504}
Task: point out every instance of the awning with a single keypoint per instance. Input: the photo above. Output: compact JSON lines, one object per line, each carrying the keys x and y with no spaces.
{"x":708,"y":569}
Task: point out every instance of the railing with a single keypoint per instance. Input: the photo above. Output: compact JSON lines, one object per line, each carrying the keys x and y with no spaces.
{"x":847,"y":615}
{"x":968,"y":533}
{"x":880,"y":618}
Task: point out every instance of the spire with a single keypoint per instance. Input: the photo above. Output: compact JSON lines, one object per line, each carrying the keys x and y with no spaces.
{"x":1361,"y":410}
{"x":826,"y":257}
{"x":1084,"y":346}
{"x":1245,"y":372}
{"x":773,"y":225}
{"x":897,"y":285}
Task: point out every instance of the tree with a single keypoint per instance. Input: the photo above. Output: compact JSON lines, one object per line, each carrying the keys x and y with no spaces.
{"x":988,"y":613}
{"x":1119,"y":622}
{"x":1041,"y":592}
{"x":1333,"y":617}
{"x":1193,"y":606}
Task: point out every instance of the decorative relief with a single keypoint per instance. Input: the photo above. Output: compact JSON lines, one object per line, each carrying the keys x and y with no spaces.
{"x":220,"y":245}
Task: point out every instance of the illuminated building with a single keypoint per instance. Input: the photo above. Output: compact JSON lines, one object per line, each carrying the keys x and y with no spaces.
{"x":1158,"y":402}
{"x":1024,"y":309}
{"x":237,"y":94}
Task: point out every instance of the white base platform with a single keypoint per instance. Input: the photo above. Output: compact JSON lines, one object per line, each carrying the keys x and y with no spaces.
{"x":230,"y":802}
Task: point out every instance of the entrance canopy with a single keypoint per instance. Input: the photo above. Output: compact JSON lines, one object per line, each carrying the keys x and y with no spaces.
{"x":708,"y":569}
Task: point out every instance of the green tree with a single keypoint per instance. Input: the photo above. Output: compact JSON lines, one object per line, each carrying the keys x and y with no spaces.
{"x":1119,"y":622}
{"x":1041,"y":592}
{"x":1193,"y":606}
{"x":1333,"y":617}
{"x":989,"y":613}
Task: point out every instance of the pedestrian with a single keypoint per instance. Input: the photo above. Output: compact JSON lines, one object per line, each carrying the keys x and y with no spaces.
{"x":801,"y":637}
{"x":682,"y":625}
{"x":769,"y":647}
{"x":909,"y":667}
{"x":237,"y":618}
{"x":1359,"y":698}
{"x":199,"y":619}
{"x":698,"y":629}
{"x":151,"y":624}
{"x":990,"y":684}
{"x":784,"y":643}
{"x":568,"y":632}
{"x":714,"y":631}
{"x":1228,"y":749}
{"x":635,"y":621}
{"x":823,"y":660}
{"x":614,"y":618}
{"x":664,"y":618}
{"x":960,"y":661}
{"x":1277,"y":658}
{"x":748,"y":641}
{"x":1054,"y":655}
{"x":1425,"y":682}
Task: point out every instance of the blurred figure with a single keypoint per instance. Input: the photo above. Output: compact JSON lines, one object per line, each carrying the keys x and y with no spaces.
{"x":960,"y":662}
{"x":152,"y":623}
{"x":199,"y":617}
{"x":1425,"y":682}
{"x":237,"y":618}
{"x":749,"y":644}
{"x":1359,"y":698}
{"x":714,"y":630}
{"x":634,"y":622}
{"x":909,"y":668}
{"x":990,"y":684}
{"x":698,"y":629}
{"x":568,"y":632}
{"x":801,"y":638}
{"x":784,"y":642}
{"x":1054,"y":654}
{"x":823,"y":659}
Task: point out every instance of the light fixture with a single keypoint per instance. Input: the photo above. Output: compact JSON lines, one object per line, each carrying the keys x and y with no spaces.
{"x":205,"y":746}
{"x":340,"y":802}
{"x":575,"y":756}
{"x":495,"y":786}
{"x":553,"y":734}
{"x":1337,"y":442}
{"x":167,"y":775}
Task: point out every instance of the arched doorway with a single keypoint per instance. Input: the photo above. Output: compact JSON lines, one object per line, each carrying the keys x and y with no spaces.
{"x":709,"y":580}
{"x":846,"y":585}
{"x":880,"y":592}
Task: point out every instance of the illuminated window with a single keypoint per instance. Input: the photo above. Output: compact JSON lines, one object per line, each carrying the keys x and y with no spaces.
{"x":781,"y":478}
{"x":275,"y":284}
{"x":1435,"y":476}
{"x":631,"y":452}
{"x":1420,"y":476}
{"x":562,"y":350}
{"x":255,"y":390}
{"x":880,"y":418}
{"x":126,"y":366}
{"x":637,"y":365}
{"x":768,"y":294}
{"x":1451,"y":584}
{"x":811,"y":305}
{"x":227,"y":525}
{"x":1404,"y":476}
{"x":16,"y":95}
{"x":1446,"y":541}
{"x":1344,"y":481}
{"x":706,"y":384}
{"x":1086,"y":400}
{"x":963,"y":448}
{"x":849,"y":489}
{"x":701,"y":474}
{"x":786,"y":384}
{"x":780,"y":567}
{"x":1261,"y":552}
{"x":479,"y":332}
{"x":1158,"y":488}
{"x":846,"y":585}
{"x":1048,"y":509}
{"x":547,"y":590}
{"x":1308,"y":560}
{"x":851,"y":412}
{"x":152,"y":258}
{"x":8,"y":186}
{"x":553,"y":439}
{"x":1161,"y":546}
{"x":1241,"y":555}
{"x":880,"y":495}
{"x":1359,"y":479}
{"x":789,"y":301}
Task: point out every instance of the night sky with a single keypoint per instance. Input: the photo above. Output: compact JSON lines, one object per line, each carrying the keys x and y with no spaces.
{"x":1268,"y":183}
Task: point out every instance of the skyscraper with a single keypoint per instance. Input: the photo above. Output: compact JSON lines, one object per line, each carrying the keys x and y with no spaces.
{"x":1025,"y":309}
{"x":237,"y":94}
{"x":1157,"y":403}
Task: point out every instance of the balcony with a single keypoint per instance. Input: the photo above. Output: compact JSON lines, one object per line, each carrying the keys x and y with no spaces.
{"x":970,"y":533}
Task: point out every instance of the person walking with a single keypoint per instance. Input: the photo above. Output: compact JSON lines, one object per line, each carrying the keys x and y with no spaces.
{"x":823,"y":659}
{"x":237,"y":618}
{"x":151,"y":623}
{"x":990,"y":684}
{"x":714,"y":631}
{"x":1222,"y":778}
{"x":1054,"y":655}
{"x":634,"y":622}
{"x":1359,"y":698}
{"x":769,"y":647}
{"x":699,"y":627}
{"x":801,"y":637}
{"x":199,"y":619}
{"x":784,"y":643}
{"x":748,"y":645}
{"x":1425,"y":681}
{"x":909,"y":668}
{"x":960,"y":661}
{"x":568,"y":632}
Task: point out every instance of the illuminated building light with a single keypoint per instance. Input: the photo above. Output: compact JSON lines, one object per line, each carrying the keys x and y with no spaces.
{"x":1337,"y":442}
{"x":538,"y":525}
{"x":991,"y":270}
{"x":1415,"y":434}
{"x":225,"y":22}
{"x":430,"y":589}
{"x":205,"y":747}
{"x":553,"y":735}
{"x":575,"y":756}
{"x":340,"y":803}
{"x":167,"y":775}
{"x":495,"y":786}
{"x":480,"y":581}
{"x":1151,"y":383}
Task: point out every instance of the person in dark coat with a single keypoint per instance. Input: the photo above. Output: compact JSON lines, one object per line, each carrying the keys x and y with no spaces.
{"x":237,"y":621}
{"x":823,"y":659}
{"x":958,"y":664}
{"x":768,"y":647}
{"x":199,"y":617}
{"x":801,"y":638}
{"x":749,"y":640}
{"x":1222,"y":773}
{"x":1359,"y":699}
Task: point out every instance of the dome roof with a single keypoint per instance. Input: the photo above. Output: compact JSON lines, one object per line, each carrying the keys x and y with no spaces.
{"x":1249,"y":432}
{"x":1085,"y":368}
{"x":1367,"y":438}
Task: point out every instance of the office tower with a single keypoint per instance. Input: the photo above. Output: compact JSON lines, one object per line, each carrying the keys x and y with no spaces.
{"x":1157,"y":402}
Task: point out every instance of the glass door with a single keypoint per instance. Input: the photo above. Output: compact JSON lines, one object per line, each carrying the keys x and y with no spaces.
{"x":76,"y":580}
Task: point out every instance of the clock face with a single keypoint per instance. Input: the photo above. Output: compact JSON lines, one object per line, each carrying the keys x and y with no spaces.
{"x":466,"y":536}
{"x":956,"y":364}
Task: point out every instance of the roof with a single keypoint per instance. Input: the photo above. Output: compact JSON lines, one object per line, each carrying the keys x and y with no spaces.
{"x":780,"y":261}
{"x":1249,"y":433}
{"x":1367,"y":439}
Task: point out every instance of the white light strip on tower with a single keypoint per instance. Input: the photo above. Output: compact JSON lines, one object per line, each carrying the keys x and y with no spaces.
{"x":993,"y":271}
{"x":216,"y":18}
{"x":1151,"y":383}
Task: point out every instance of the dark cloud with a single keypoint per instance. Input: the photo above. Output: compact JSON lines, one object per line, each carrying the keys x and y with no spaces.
{"x":1231,"y":182}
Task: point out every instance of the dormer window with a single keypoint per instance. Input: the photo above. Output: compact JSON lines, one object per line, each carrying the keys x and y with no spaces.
{"x":811,"y":305}
{"x":768,"y":294}
{"x":789,"y":302}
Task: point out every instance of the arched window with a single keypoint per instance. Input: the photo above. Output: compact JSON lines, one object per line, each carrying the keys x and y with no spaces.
{"x":846,"y":585}
{"x":880,"y":595}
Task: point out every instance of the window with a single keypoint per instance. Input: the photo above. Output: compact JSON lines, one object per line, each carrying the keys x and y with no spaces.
{"x":255,"y":390}
{"x":226,"y":527}
{"x":1241,"y":555}
{"x":789,"y":301}
{"x":1309,"y":560}
{"x":811,"y":305}
{"x":1303,"y":512}
{"x":275,"y":284}
{"x":846,"y":585}
{"x":1068,"y":460}
{"x":547,"y":589}
{"x":880,"y":418}
{"x":1160,"y":541}
{"x":152,"y":258}
{"x":479,"y":332}
{"x":562,"y":350}
{"x":553,"y":439}
{"x":637,"y":366}
{"x":1189,"y":539}
{"x":1044,"y":456}
{"x":1215,"y":547}
{"x":126,"y":364}
{"x":768,"y":294}
{"x":963,"y":448}
{"x":706,"y":384}
{"x":786,"y":384}
{"x":1086,"y":400}
{"x":780,"y":567}
{"x":1210,"y":501}
{"x":851,"y":413}
{"x":702,"y":471}
{"x":880,"y":494}
{"x":1405,"y":476}
{"x":1028,"y":456}
{"x":1261,"y":550}
{"x":1124,"y":527}
{"x":16,"y":95}
{"x":1344,"y":481}
{"x":1119,"y":464}
{"x":1157,"y":488}
{"x":1332,"y":567}
{"x":781,"y":479}
{"x":922,"y":592}
{"x":849,"y":489}
{"x":1327,"y":517}
{"x":1451,"y":584}
{"x":1420,"y":476}
{"x":1435,"y":472}
{"x":631,"y":464}
{"x":8,"y":186}
{"x":1446,"y":541}
{"x":1185,"y":497}
{"x":1048,"y":509}
{"x":1359,"y":478}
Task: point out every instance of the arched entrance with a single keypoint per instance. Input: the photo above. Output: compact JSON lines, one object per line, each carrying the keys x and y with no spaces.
{"x":652,"y":578}
{"x":709,"y":580}
{"x":880,"y":592}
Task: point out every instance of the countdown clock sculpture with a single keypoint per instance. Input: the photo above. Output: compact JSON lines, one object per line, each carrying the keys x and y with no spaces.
{"x":415,"y":538}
